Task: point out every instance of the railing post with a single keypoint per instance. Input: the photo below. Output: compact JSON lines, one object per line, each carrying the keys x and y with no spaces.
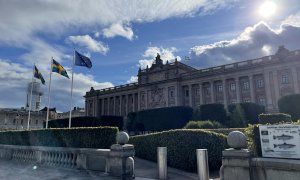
{"x":202,"y":164}
{"x":162,"y":162}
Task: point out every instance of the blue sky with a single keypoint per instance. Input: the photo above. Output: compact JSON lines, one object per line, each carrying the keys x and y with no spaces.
{"x":121,"y":36}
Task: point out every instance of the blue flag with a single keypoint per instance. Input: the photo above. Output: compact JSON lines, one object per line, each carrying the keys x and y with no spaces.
{"x":37,"y":74}
{"x":81,"y":60}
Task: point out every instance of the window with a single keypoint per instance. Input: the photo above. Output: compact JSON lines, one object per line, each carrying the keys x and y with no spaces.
{"x":22,"y":121}
{"x":14,"y":122}
{"x":187,"y":93}
{"x":245,"y":85}
{"x":232,"y":86}
{"x":36,"y":121}
{"x":207,"y":91}
{"x":197,"y":92}
{"x":261,"y":101}
{"x":171,"y":94}
{"x":284,"y":79}
{"x":260,"y":83}
{"x":220,"y":88}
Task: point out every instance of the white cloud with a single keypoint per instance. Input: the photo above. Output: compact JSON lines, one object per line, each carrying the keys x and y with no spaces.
{"x":58,"y":17}
{"x":89,"y":43}
{"x":293,"y":20}
{"x":14,"y":78}
{"x":166,"y":54}
{"x":133,"y":79}
{"x":254,"y":42}
{"x":118,"y":29}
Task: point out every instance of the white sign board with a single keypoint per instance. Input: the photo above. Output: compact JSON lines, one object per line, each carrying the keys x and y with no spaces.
{"x":281,"y":141}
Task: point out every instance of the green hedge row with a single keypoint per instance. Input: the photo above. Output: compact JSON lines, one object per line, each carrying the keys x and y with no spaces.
{"x":98,"y":137}
{"x":251,"y":111}
{"x":274,"y":118}
{"x":252,"y":133}
{"x":181,"y":145}
{"x":88,"y":121}
{"x":203,"y":125}
{"x":226,"y":131}
{"x":290,"y":104}
{"x":215,"y":112}
{"x":159,"y":119}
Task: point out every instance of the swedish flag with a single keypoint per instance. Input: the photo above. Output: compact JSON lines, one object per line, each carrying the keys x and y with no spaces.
{"x":37,"y":74}
{"x":56,"y":67}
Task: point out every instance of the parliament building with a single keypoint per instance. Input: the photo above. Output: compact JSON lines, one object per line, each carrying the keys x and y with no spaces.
{"x":263,"y":80}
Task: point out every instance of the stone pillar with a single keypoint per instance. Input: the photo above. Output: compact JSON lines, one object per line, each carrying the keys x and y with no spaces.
{"x":176,"y":95}
{"x":212,"y":95}
{"x":276,"y":87}
{"x":295,"y":80}
{"x":108,"y":106}
{"x":121,"y":162}
{"x":200,"y":93}
{"x":114,"y":106}
{"x":252,"y":93}
{"x":237,"y":90}
{"x":224,"y":93}
{"x":190,"y":96}
{"x":102,"y":108}
{"x":267,"y":86}
{"x":139,"y":101}
{"x":236,"y":162}
{"x":120,"y":105}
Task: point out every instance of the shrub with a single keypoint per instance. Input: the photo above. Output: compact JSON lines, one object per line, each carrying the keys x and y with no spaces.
{"x":251,"y":111}
{"x":252,"y":133}
{"x":115,"y":121}
{"x":236,"y":118}
{"x":214,"y":112}
{"x":160,"y":119}
{"x":290,"y":104}
{"x":203,"y":125}
{"x":274,"y":118}
{"x":97,"y":137}
{"x":182,"y":145}
{"x":226,"y":131}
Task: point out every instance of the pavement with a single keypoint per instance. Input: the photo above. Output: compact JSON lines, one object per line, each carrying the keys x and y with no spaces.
{"x":144,"y":170}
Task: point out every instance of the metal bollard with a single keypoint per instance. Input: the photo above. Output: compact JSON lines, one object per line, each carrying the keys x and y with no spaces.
{"x":162,"y":162}
{"x":202,"y":163}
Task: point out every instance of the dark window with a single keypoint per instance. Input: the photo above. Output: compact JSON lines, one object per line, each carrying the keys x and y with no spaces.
{"x":220,"y":88}
{"x":260,"y":83}
{"x":245,"y":85}
{"x":232,"y":86}
{"x":186,"y":93}
{"x":284,"y":79}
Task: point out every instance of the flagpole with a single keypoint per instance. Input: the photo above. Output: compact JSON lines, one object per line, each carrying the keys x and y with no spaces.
{"x":28,"y":123}
{"x":49,"y":92}
{"x":71,"y":104}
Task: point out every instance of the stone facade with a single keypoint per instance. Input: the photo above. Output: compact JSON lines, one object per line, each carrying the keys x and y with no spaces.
{"x":263,"y":81}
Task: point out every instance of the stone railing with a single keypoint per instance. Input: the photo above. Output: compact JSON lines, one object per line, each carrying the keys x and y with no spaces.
{"x":116,"y":161}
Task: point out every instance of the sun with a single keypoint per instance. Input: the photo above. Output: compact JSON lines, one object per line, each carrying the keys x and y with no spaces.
{"x":267,"y":9}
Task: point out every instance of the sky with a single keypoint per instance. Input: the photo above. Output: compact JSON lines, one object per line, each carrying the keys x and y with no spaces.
{"x":122,"y":36}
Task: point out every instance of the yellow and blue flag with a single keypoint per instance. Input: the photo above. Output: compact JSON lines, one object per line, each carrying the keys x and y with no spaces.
{"x":81,"y":60}
{"x":56,"y":67}
{"x":37,"y":74}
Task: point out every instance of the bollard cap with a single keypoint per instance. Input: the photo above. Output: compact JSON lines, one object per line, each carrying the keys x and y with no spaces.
{"x":122,"y":138}
{"x":237,"y":140}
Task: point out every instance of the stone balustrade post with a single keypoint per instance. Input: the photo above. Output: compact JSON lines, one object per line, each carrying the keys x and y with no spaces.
{"x":236,"y":161}
{"x":121,"y":162}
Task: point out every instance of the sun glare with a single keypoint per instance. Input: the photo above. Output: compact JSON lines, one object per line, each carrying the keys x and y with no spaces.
{"x":267,"y":9}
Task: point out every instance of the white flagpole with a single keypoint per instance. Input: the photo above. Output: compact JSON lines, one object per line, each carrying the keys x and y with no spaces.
{"x":49,"y":92}
{"x":71,"y":104}
{"x":28,"y":124}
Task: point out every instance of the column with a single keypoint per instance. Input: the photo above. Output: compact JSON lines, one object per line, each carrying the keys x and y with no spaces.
{"x":252,"y":93}
{"x":276,"y":87}
{"x":114,"y":106}
{"x":127,"y":104}
{"x":133,"y":104}
{"x":108,"y":106}
{"x":86,"y":110}
{"x":224,"y":93}
{"x":167,"y":96}
{"x":139,"y":101}
{"x":267,"y":85}
{"x":102,"y":108}
{"x":212,"y":95}
{"x":295,"y":80}
{"x":120,"y":109}
{"x":176,"y":95}
{"x":200,"y":93}
{"x":237,"y":90}
{"x":190,"y":96}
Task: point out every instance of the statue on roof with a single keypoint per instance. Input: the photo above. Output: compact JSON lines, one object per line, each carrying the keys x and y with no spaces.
{"x":157,"y":57}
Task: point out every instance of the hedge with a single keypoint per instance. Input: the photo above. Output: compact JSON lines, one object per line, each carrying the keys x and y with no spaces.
{"x":203,"y":125}
{"x":97,"y":137}
{"x":214,"y":112}
{"x":251,"y":111}
{"x":290,"y":104}
{"x":274,"y":118}
{"x":252,"y":133}
{"x":88,"y":121}
{"x":159,"y":119}
{"x":226,"y":131}
{"x":181,"y":145}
